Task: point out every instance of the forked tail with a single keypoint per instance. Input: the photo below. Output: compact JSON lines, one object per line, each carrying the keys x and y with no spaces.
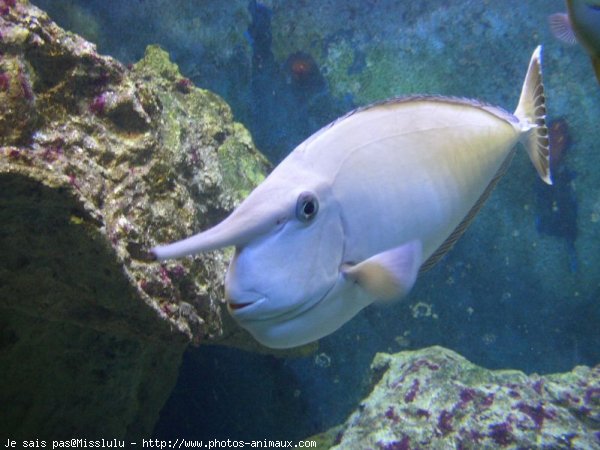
{"x":531,"y":113}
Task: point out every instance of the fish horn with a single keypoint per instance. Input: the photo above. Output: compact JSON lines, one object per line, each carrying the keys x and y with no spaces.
{"x":243,"y":225}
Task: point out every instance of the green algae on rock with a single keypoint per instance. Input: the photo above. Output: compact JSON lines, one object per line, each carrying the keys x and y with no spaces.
{"x":97,"y":163}
{"x":434,"y":398}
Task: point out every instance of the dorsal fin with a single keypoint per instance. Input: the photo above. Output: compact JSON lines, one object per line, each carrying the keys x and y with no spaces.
{"x":394,"y":101}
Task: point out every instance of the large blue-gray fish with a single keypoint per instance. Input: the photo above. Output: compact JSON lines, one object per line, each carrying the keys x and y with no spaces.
{"x":581,"y":23}
{"x":358,"y":209}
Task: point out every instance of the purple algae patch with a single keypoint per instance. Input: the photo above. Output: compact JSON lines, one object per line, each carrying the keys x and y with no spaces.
{"x":592,"y":394}
{"x":537,"y":413}
{"x":514,"y":394}
{"x":403,"y":444}
{"x":445,"y":422}
{"x":422,"y":363}
{"x":412,"y":392}
{"x":422,"y":413}
{"x":391,"y":415}
{"x":488,"y":400}
{"x":501,"y":433}
{"x":467,"y":395}
{"x":571,"y":398}
{"x":476,"y":436}
{"x":538,"y":386}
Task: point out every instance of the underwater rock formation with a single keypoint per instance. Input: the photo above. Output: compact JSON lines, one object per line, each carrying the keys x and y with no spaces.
{"x":97,"y":163}
{"x":434,"y":398}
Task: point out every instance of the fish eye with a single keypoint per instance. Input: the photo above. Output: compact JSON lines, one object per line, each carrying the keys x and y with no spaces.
{"x":307,"y":207}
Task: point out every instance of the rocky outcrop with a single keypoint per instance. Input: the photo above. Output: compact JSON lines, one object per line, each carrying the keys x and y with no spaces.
{"x":98,"y":162}
{"x":436,"y":399}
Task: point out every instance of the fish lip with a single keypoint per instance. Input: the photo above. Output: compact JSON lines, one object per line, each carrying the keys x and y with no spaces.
{"x":241,"y":313}
{"x":238,"y":308}
{"x":236,"y":305}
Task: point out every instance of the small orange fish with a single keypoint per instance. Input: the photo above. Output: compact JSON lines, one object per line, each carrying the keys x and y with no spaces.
{"x":581,"y":23}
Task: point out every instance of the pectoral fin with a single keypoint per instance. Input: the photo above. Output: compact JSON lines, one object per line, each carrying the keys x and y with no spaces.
{"x":390,"y":274}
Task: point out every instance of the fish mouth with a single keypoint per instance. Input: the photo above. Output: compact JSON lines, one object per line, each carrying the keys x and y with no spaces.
{"x":243,"y":312}
{"x":238,"y":306}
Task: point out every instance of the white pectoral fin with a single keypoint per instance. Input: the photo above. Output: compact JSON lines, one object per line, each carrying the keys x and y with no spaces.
{"x":390,"y":274}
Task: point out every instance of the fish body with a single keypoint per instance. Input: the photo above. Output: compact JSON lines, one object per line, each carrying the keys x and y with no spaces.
{"x":357,"y":210}
{"x":581,"y":23}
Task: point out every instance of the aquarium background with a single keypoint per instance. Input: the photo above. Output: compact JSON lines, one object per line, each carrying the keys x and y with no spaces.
{"x":520,"y":290}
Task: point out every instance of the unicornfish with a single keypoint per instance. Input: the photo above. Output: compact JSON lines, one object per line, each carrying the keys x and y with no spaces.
{"x":581,"y":23}
{"x":358,"y":209}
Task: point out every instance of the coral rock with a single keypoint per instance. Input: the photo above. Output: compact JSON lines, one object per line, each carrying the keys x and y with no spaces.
{"x":461,"y":405}
{"x":97,"y":164}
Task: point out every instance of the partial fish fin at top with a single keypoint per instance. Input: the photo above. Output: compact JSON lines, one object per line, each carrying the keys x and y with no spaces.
{"x":561,"y":28}
{"x":390,"y":274}
{"x":531,"y":112}
{"x":596,"y":64}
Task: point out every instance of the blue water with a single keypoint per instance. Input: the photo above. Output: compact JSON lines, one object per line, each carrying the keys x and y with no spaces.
{"x":520,"y":290}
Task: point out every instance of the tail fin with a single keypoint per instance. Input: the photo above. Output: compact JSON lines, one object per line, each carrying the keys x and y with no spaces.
{"x":531,"y":112}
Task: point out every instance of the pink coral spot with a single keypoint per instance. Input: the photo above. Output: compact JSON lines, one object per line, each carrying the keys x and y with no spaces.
{"x":73,"y":181}
{"x":98,"y":104}
{"x":26,"y":88}
{"x":184,"y":85}
{"x":302,"y":68}
{"x":164,"y":275}
{"x":5,"y":6}
{"x":176,"y":272}
{"x":52,"y":152}
{"x":4,"y":81}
